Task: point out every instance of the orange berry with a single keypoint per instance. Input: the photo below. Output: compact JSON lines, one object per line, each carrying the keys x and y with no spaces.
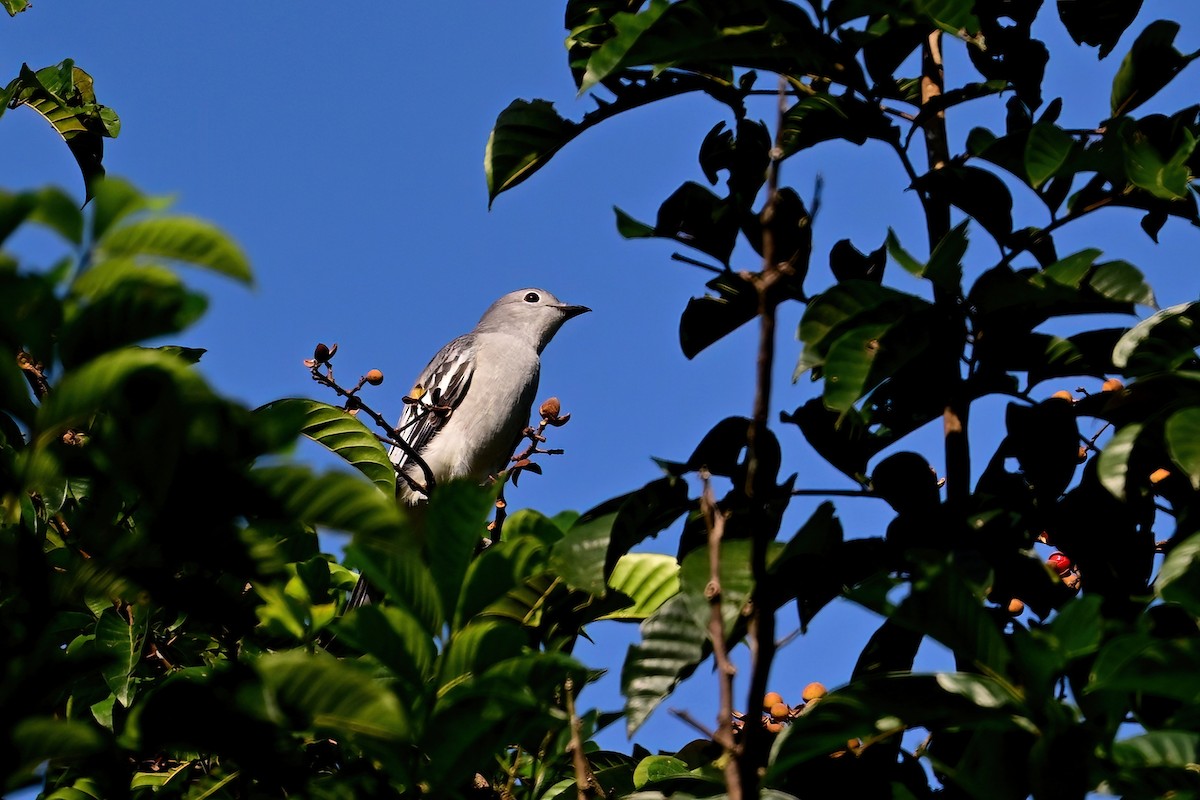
{"x":1082,"y":457}
{"x":1015,"y":607}
{"x":1112,"y":385}
{"x":774,"y":727}
{"x":814,"y":691}
{"x":770,"y":699}
{"x":374,"y":377}
{"x":1063,"y":394}
{"x":1159,"y":475}
{"x":780,"y":711}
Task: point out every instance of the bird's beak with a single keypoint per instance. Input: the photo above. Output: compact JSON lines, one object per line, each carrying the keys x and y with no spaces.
{"x":572,"y":311}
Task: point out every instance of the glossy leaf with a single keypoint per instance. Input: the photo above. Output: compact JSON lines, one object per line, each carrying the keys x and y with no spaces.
{"x":1046,"y":150}
{"x":122,"y":640}
{"x":184,"y":239}
{"x":647,"y":579}
{"x":344,"y":435}
{"x":671,"y":648}
{"x":63,"y":95}
{"x":737,"y":582}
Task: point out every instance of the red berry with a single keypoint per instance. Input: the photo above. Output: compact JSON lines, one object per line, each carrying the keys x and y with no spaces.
{"x":1059,"y":563}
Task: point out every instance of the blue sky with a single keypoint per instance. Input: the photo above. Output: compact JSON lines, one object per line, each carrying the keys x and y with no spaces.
{"x":342,"y":146}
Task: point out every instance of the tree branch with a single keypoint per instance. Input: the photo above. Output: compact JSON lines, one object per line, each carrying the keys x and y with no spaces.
{"x":714,"y":522}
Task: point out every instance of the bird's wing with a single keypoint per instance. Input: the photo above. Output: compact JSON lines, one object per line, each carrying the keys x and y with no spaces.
{"x":438,"y":391}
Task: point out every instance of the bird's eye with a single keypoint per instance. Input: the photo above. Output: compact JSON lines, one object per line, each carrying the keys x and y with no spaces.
{"x":532,"y":297}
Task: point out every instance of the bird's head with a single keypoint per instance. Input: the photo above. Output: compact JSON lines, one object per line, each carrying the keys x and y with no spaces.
{"x":534,"y":314}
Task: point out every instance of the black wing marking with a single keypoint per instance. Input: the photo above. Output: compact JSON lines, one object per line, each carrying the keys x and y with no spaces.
{"x":438,"y":391}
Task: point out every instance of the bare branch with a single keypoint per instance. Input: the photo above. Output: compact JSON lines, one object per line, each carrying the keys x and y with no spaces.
{"x":714,"y":522}
{"x":585,"y":781}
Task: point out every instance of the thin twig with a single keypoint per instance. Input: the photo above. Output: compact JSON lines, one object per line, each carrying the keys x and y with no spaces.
{"x":585,"y":781}
{"x":683,"y":716}
{"x":714,"y":523}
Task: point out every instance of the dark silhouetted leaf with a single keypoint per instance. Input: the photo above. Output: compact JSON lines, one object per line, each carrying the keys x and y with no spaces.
{"x":1100,"y":22}
{"x":1152,"y":62}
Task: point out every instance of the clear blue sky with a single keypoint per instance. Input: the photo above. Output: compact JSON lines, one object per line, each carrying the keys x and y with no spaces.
{"x":343,"y":148}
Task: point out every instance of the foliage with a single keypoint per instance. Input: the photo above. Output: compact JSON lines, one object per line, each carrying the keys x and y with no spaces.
{"x":171,"y":628}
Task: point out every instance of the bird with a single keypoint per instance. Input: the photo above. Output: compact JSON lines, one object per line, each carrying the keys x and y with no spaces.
{"x":469,"y":407}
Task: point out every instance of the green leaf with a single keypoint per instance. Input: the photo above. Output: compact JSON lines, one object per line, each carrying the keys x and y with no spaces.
{"x":475,"y":648}
{"x":1183,"y":442}
{"x":14,"y":7}
{"x":1112,"y":468}
{"x":976,"y":192}
{"x":587,"y":555}
{"x":334,"y":697}
{"x":63,"y":95}
{"x":333,"y":499}
{"x":1152,"y":62}
{"x":942,"y":607}
{"x":191,"y":241}
{"x":526,"y":135}
{"x":715,"y":37}
{"x":503,"y":567}
{"x":658,"y":768}
{"x":98,"y":384}
{"x":1156,"y":163}
{"x":1161,"y":342}
{"x":1158,"y":749}
{"x":116,"y":198}
{"x":1141,"y":663}
{"x":944,"y":269}
{"x":708,"y":319}
{"x":396,"y":638}
{"x":825,"y":117}
{"x":41,"y":739}
{"x":455,"y":522}
{"x":122,"y":640}
{"x":125,"y":303}
{"x":648,"y":579}
{"x":1099,"y":22}
{"x":344,"y":435}
{"x":1046,"y":150}
{"x":672,"y":646}
{"x":886,"y":704}
{"x":737,"y":581}
{"x":1178,"y":580}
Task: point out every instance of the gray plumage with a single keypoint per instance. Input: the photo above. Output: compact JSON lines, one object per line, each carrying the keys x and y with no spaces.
{"x":469,"y":406}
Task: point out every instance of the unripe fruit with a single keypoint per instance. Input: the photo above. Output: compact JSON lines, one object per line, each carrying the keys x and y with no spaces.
{"x":374,"y":377}
{"x":774,"y":727}
{"x":1015,"y":607}
{"x":780,"y":711}
{"x":1159,"y":475}
{"x":1059,"y":563}
{"x":1112,"y":385}
{"x":1063,"y":394}
{"x":770,"y":699}
{"x":814,"y":691}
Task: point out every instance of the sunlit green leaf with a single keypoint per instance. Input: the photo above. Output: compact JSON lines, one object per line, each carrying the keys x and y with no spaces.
{"x":346,"y":436}
{"x":1113,"y":466}
{"x":648,"y":579}
{"x":184,"y":239}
